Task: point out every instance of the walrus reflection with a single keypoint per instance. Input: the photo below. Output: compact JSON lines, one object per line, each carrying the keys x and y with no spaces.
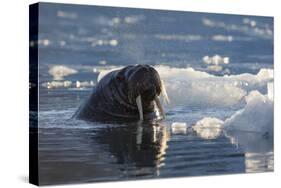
{"x":142,"y":145}
{"x":258,"y":148}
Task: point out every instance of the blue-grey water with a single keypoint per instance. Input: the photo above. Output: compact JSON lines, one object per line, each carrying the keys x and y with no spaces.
{"x":79,"y":42}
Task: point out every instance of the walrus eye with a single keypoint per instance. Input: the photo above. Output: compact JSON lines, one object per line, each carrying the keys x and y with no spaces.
{"x":120,"y":78}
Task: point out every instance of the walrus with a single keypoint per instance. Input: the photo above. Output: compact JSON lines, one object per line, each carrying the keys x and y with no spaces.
{"x":129,"y":94}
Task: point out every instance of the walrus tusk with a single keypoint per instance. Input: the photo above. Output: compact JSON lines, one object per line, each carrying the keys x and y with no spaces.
{"x":139,"y":104}
{"x":139,"y":133}
{"x":159,"y":105}
{"x":164,"y":92}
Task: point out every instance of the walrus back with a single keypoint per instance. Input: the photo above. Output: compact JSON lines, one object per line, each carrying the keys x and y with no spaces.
{"x":92,"y":108}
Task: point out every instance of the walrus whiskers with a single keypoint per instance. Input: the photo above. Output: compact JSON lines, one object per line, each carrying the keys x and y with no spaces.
{"x":131,"y":96}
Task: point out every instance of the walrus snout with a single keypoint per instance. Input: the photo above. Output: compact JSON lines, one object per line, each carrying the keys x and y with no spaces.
{"x":144,"y":81}
{"x":145,"y":88}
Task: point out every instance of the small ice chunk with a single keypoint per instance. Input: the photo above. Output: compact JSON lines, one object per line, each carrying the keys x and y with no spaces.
{"x":67,"y":15}
{"x":113,"y":42}
{"x":209,"y":122}
{"x":44,"y":42}
{"x":100,"y":42}
{"x":226,"y":60}
{"x":95,"y":70}
{"x":62,"y":43}
{"x":215,"y":60}
{"x":84,"y":84}
{"x":227,"y":38}
{"x":270,"y":90}
{"x":57,"y":84}
{"x":253,"y":23}
{"x":78,"y":84}
{"x":102,"y":62}
{"x":133,"y":19}
{"x":59,"y":71}
{"x":206,"y":59}
{"x":179,"y":128}
{"x":116,"y":20}
{"x":208,"y":128}
{"x":246,"y":20}
{"x":67,"y":83}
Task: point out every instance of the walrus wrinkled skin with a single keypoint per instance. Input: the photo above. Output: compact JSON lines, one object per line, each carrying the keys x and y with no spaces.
{"x":128,"y":94}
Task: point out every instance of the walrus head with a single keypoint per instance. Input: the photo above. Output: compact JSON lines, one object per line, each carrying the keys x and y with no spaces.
{"x":144,"y":88}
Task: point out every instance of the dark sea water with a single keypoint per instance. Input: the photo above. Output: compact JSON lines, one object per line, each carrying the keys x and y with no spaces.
{"x":210,"y":64}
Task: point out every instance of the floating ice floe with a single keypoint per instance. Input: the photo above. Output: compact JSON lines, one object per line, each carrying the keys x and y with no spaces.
{"x":133,"y":19}
{"x":215,"y":63}
{"x":118,"y":20}
{"x":215,"y":60}
{"x":56,"y":84}
{"x":60,"y":71}
{"x":39,"y":42}
{"x":250,"y":22}
{"x":104,"y":42}
{"x":248,"y":27}
{"x":258,"y":149}
{"x":179,"y":128}
{"x":208,"y":127}
{"x":189,"y":87}
{"x":224,"y":38}
{"x":68,"y":84}
{"x":259,"y":162}
{"x":62,"y":43}
{"x":251,"y":128}
{"x":255,"y":117}
{"x":84,"y":84}
{"x":270,"y":91}
{"x":102,"y":62}
{"x":185,"y":38}
{"x":67,"y":15}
